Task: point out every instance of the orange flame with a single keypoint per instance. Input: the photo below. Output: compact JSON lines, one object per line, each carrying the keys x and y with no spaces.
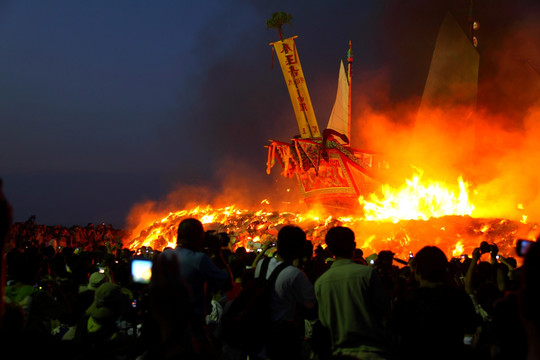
{"x":403,"y":220}
{"x":458,"y":250}
{"x":417,"y":200}
{"x":455,"y":235}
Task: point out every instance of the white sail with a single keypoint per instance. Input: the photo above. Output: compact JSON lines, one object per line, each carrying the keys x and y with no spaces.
{"x":339,"y":118}
{"x":453,"y":73}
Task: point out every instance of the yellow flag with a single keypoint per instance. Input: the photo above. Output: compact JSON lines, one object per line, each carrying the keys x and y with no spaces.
{"x":296,"y":83}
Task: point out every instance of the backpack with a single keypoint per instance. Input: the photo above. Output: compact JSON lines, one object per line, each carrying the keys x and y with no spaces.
{"x":247,"y":321}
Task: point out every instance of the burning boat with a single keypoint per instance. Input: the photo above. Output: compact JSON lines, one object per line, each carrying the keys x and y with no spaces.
{"x":338,"y":176}
{"x":329,"y":171}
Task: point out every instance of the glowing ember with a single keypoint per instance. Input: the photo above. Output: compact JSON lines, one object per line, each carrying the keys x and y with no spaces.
{"x":402,"y":220}
{"x":455,"y":235}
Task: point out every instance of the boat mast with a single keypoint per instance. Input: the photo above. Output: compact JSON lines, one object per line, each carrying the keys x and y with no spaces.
{"x":277,"y":21}
{"x":349,"y":78}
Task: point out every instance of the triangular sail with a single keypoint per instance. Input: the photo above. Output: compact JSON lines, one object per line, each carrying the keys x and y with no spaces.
{"x":453,"y":74}
{"x":339,"y":118}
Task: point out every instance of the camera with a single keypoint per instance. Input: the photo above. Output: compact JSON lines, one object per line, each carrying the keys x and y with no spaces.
{"x":487,"y":248}
{"x":141,"y":270}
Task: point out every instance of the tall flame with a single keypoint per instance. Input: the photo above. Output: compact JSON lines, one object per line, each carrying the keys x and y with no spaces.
{"x":417,"y":200}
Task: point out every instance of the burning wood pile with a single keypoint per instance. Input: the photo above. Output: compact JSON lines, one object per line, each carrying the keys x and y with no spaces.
{"x":454,"y":234}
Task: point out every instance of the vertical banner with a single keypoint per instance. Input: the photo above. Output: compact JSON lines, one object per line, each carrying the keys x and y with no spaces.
{"x":296,"y":83}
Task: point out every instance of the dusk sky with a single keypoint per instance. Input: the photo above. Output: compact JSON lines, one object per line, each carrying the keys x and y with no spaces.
{"x":106,"y":104}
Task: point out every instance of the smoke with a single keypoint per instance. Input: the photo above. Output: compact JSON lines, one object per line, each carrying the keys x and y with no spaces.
{"x":510,"y":72}
{"x":492,"y":145}
{"x":239,"y":186}
{"x":515,"y":175}
{"x":500,"y":163}
{"x":240,"y":104}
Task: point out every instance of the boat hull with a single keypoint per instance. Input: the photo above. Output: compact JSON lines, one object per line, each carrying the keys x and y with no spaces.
{"x":332,"y":178}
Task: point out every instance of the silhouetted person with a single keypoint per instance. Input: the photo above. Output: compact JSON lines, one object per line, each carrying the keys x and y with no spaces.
{"x":432,"y":320}
{"x":198,"y":271}
{"x":6,"y":218}
{"x":292,"y":288}
{"x":170,"y":310}
{"x":529,"y":301}
{"x":352,"y":302}
{"x":96,"y":334}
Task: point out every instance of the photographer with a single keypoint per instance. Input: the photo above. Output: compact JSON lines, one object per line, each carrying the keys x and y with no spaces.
{"x":481,"y":279}
{"x":199,"y":271}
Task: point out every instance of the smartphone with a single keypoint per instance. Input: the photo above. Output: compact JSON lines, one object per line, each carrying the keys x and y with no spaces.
{"x":523,"y":246}
{"x":141,"y":270}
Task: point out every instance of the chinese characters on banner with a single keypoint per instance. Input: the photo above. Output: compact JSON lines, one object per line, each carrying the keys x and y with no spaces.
{"x":296,"y":83}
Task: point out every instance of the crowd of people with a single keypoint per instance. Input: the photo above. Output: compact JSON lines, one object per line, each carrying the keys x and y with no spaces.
{"x":88,"y":238}
{"x":71,"y":294}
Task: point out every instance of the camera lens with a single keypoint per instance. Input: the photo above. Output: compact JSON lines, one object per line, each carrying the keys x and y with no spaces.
{"x":485,"y":247}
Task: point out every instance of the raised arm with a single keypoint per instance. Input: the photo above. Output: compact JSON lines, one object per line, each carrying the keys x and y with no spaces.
{"x":470,"y":271}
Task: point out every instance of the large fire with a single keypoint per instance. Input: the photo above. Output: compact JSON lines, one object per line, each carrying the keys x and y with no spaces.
{"x":417,"y":200}
{"x":491,"y":149}
{"x":402,"y":220}
{"x":479,"y":183}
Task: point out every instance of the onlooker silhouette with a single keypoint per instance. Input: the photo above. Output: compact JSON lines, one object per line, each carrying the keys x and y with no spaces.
{"x":292,"y":288}
{"x":431,"y":321}
{"x":171,"y":317}
{"x":96,"y":334}
{"x":198,"y":271}
{"x":529,"y":301}
{"x":352,"y":302}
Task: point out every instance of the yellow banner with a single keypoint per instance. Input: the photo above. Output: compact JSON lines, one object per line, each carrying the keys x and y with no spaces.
{"x":296,"y":83}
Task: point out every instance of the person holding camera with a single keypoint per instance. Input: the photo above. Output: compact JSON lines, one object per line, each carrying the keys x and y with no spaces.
{"x":198,"y":272}
{"x":484,"y":280}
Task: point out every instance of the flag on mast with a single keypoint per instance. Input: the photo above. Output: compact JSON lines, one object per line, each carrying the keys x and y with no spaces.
{"x":296,"y":84}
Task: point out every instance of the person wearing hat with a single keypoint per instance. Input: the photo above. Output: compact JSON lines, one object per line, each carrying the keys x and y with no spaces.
{"x":96,"y":279}
{"x":87,"y":292}
{"x":97,"y":331}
